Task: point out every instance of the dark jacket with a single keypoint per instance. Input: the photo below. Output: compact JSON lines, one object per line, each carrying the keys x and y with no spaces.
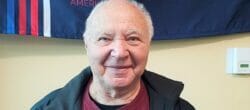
{"x":164,"y":94}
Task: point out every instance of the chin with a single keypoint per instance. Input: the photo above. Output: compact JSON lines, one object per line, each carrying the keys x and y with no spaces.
{"x":119,"y":82}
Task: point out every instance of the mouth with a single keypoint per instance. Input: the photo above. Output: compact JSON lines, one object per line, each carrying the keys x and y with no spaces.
{"x":119,"y":71}
{"x":120,"y":67}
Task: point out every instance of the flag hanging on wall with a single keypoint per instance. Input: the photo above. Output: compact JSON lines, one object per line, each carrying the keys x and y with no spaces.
{"x":172,"y":19}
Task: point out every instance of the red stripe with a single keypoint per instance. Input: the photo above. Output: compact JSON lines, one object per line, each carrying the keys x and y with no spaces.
{"x":22,"y":17}
{"x":34,"y":17}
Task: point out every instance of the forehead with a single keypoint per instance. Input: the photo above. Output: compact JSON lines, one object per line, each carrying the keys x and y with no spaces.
{"x":111,"y":16}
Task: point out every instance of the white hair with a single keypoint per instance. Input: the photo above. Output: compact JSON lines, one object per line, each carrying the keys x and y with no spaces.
{"x":138,"y":5}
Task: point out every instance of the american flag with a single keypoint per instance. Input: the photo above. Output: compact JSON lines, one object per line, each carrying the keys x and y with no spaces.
{"x":173,"y":19}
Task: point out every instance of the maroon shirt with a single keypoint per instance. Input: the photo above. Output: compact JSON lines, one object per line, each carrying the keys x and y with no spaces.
{"x":141,"y":101}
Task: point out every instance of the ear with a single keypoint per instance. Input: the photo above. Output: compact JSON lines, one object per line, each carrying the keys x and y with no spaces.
{"x":84,"y":41}
{"x":85,"y":45}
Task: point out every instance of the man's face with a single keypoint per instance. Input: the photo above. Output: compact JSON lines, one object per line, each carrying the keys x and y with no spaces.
{"x":118,"y":48}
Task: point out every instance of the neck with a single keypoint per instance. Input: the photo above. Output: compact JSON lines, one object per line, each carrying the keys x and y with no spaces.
{"x":113,"y":96}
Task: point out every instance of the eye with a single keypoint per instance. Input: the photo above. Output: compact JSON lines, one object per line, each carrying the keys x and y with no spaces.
{"x":133,"y":40}
{"x":102,"y":41}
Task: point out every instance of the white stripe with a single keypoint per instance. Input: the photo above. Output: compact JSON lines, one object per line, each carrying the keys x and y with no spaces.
{"x":46,"y":18}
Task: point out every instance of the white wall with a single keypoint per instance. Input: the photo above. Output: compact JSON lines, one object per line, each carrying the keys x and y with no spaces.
{"x":32,"y":67}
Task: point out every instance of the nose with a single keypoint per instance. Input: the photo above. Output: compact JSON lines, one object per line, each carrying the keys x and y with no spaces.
{"x":119,"y":49}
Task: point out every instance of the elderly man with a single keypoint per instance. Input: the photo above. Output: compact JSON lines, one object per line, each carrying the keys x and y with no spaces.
{"x":117,"y":40}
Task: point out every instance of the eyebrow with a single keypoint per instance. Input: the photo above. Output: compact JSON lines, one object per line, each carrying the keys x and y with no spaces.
{"x":133,"y":32}
{"x":108,"y":34}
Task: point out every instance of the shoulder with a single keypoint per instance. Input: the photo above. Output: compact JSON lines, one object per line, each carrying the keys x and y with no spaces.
{"x":162,"y":85}
{"x":161,"y":79}
{"x":64,"y":96}
{"x":165,"y":91}
{"x":43,"y":103}
{"x":183,"y":105}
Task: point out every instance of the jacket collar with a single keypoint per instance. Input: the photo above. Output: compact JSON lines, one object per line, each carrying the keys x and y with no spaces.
{"x":70,"y":96}
{"x":163,"y":92}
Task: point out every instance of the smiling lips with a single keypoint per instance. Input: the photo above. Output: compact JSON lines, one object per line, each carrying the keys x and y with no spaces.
{"x":120,"y":67}
{"x":119,"y":70}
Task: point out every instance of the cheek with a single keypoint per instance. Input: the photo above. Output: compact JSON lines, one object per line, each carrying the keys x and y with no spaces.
{"x":97,"y":55}
{"x":140,"y":57}
{"x":142,"y":53}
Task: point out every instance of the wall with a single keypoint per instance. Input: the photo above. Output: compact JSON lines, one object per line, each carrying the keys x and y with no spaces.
{"x":32,"y":67}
